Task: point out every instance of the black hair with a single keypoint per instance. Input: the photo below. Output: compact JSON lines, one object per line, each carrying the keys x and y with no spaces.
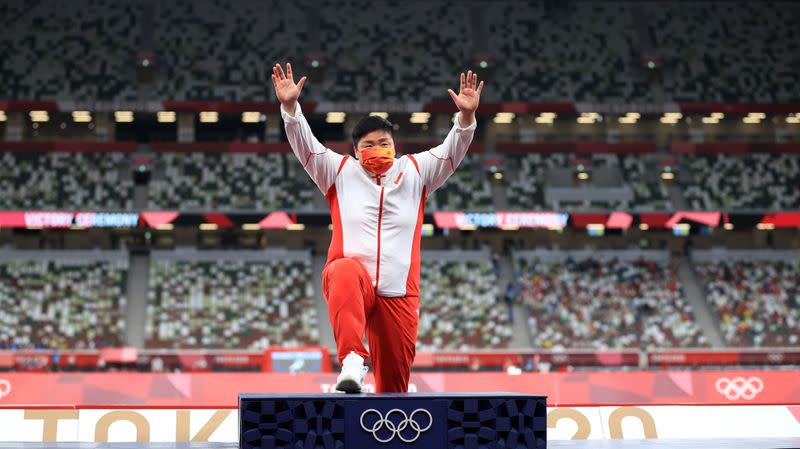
{"x":369,"y":124}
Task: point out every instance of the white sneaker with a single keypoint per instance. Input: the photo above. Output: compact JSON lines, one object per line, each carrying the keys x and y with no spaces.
{"x":351,"y":380}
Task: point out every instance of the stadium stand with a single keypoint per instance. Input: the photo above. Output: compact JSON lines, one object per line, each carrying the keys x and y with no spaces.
{"x":84,"y":52}
{"x":547,"y":181}
{"x":466,"y":189}
{"x":236,"y":64}
{"x":726,"y":51}
{"x":649,"y":193}
{"x":527,"y":190}
{"x":365,"y":63}
{"x":585,"y":47}
{"x":577,"y":51}
{"x":459,"y":303}
{"x":584,"y":51}
{"x":65,"y":180}
{"x":73,"y":300}
{"x":234,"y":299}
{"x":577,"y":55}
{"x":604,"y":300}
{"x":231,"y":181}
{"x":757,"y":299}
{"x":754,"y":181}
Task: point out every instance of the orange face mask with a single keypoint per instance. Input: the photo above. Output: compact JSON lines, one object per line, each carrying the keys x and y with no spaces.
{"x":377,"y":160}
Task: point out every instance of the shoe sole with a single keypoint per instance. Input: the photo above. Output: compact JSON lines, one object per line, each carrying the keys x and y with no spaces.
{"x":348,"y":386}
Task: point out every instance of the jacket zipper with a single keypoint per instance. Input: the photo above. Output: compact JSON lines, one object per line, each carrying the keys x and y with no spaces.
{"x":380,"y":219}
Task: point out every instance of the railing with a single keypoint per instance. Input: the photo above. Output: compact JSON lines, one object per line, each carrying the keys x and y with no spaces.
{"x":244,"y":360}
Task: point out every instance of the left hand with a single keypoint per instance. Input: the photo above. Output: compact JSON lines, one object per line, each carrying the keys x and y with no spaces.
{"x":469,"y":95}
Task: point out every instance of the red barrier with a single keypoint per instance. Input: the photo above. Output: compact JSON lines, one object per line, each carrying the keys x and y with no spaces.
{"x":228,"y":106}
{"x":787,"y":148}
{"x":339,"y":146}
{"x":519,"y":107}
{"x":221,"y":147}
{"x":418,"y":147}
{"x":615,"y":148}
{"x":346,"y":146}
{"x":724,"y":357}
{"x":739,"y":108}
{"x":577,"y":388}
{"x":732,"y":148}
{"x":578,"y":147}
{"x":220,"y":360}
{"x":24,"y":105}
{"x":69,"y":146}
{"x":543,"y":148}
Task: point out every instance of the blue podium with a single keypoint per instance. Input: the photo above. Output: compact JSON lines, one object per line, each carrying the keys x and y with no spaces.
{"x":386,"y":421}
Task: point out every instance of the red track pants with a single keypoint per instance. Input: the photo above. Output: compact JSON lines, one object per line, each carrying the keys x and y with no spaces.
{"x":390,"y":323}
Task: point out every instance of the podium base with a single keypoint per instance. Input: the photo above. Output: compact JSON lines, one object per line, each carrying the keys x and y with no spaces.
{"x":366,"y":421}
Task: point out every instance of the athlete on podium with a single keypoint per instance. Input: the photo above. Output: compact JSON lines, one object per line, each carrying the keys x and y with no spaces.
{"x":371,"y":278}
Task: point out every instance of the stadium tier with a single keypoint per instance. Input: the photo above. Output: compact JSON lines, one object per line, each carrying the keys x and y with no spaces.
{"x":753,"y":64}
{"x":607,"y":129}
{"x":613,"y":182}
{"x":605,"y":304}
{"x":84,"y":52}
{"x":230,"y":181}
{"x":584,"y":51}
{"x":754,"y":181}
{"x":467,"y":189}
{"x":71,"y":300}
{"x":593,"y":204}
{"x":93,"y":181}
{"x":460,"y":306}
{"x":755,"y":295}
{"x":224,"y":180}
{"x":231,"y":300}
{"x":548,"y":51}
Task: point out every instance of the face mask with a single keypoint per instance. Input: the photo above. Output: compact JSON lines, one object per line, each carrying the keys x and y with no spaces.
{"x":377,"y":160}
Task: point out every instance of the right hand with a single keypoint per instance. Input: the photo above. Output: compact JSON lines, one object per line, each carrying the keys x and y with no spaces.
{"x":285,"y":88}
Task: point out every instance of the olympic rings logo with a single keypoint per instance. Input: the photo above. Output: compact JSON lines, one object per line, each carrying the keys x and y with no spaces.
{"x":739,"y":387}
{"x":396,"y":429}
{"x":5,"y":388}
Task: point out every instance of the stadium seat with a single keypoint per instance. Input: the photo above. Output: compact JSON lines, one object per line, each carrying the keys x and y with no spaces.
{"x":580,"y":51}
{"x":540,"y":51}
{"x":99,"y":181}
{"x":231,"y":181}
{"x":609,"y":304}
{"x":234,"y":65}
{"x":758,"y":301}
{"x":86,"y":52}
{"x":720,"y":51}
{"x":629,"y":173}
{"x":460,"y":307}
{"x":466,"y":189}
{"x":755,"y":181}
{"x":526,"y":192}
{"x":230,"y":304}
{"x":71,"y":303}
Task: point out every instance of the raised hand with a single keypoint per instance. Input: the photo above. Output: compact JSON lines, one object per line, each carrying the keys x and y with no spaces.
{"x":468,"y":98}
{"x":285,"y":88}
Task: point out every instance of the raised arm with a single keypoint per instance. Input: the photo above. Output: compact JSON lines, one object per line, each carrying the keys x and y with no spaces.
{"x":438,"y":163}
{"x":319,"y":162}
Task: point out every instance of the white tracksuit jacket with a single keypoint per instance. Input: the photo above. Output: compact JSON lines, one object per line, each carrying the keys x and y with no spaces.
{"x":377,"y":219}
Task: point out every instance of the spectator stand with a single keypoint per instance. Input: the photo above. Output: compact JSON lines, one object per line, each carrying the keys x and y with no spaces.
{"x":460,"y":302}
{"x":231,"y":299}
{"x":230,"y":181}
{"x":66,"y":299}
{"x":605,"y":300}
{"x":754,"y":292}
{"x":65,"y":180}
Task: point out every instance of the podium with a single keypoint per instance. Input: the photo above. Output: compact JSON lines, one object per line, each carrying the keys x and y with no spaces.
{"x":397,"y":420}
